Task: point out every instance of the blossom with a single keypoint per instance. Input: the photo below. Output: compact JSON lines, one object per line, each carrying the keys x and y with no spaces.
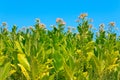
{"x":90,"y":26}
{"x":77,"y":21}
{"x":83,"y":15}
{"x":63,"y":23}
{"x":73,"y":28}
{"x":4,"y":23}
{"x":91,"y":20}
{"x":37,"y":20}
{"x":30,"y":27}
{"x":101,"y":28}
{"x":69,"y":28}
{"x":60,"y":21}
{"x":23,"y":28}
{"x":5,"y":29}
{"x":102,"y":25}
{"x":112,"y":23}
{"x":41,"y":25}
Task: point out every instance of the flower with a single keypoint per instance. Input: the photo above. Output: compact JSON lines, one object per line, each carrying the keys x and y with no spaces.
{"x":4,"y":23}
{"x":30,"y":27}
{"x":41,"y":25}
{"x":90,"y":26}
{"x":23,"y":28}
{"x":83,"y":15}
{"x":63,"y":23}
{"x":5,"y":29}
{"x":102,"y":25}
{"x":112,"y":23}
{"x":69,"y":28}
{"x":60,"y":21}
{"x":73,"y":28}
{"x":101,"y":28}
{"x":77,"y":21}
{"x":37,"y":20}
{"x":91,"y":20}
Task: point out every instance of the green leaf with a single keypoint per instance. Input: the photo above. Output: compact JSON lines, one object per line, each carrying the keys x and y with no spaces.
{"x":23,"y":61}
{"x":58,"y":61}
{"x":52,"y":77}
{"x":2,"y":60}
{"x":35,"y":70}
{"x":12,"y":72}
{"x":68,"y":71}
{"x":19,"y":46}
{"x":24,"y":71}
{"x":4,"y":71}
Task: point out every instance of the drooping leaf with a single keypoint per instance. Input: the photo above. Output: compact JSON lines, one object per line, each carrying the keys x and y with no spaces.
{"x":4,"y":71}
{"x":58,"y":61}
{"x":68,"y":71}
{"x":23,"y":61}
{"x":24,"y":71}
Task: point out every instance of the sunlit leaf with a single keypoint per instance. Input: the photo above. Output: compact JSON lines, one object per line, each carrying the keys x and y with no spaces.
{"x":23,"y":61}
{"x":4,"y":71}
{"x":24,"y":71}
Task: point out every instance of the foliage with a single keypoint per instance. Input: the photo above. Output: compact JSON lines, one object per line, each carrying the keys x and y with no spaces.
{"x":36,"y":53}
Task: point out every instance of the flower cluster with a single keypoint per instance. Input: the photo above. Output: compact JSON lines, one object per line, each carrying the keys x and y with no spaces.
{"x":4,"y":23}
{"x":112,"y":24}
{"x":90,"y":26}
{"x":83,"y":15}
{"x":60,"y":21}
{"x":102,"y":25}
{"x":41,"y":25}
{"x":37,"y":20}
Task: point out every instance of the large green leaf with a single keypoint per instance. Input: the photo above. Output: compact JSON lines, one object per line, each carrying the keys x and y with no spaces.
{"x":58,"y":61}
{"x":68,"y":71}
{"x":23,"y":61}
{"x":4,"y":71}
{"x":24,"y":71}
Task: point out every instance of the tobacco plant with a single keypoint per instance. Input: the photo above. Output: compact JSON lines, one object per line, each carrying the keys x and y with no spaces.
{"x":36,"y":53}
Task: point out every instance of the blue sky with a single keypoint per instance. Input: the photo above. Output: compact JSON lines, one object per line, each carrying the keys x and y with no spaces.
{"x":24,"y":12}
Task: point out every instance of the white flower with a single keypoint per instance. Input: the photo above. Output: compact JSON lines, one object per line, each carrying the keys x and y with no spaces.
{"x":91,"y":20}
{"x":63,"y":23}
{"x":4,"y":23}
{"x":77,"y":21}
{"x":41,"y":25}
{"x":102,"y":25}
{"x":60,"y":21}
{"x":90,"y":26}
{"x":83,"y":15}
{"x":112,"y":23}
{"x":37,"y":20}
